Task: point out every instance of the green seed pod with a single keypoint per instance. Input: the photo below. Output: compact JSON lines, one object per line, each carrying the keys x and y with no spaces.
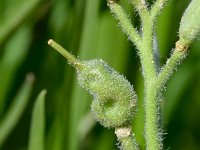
{"x":114,"y":97}
{"x":190,"y":23}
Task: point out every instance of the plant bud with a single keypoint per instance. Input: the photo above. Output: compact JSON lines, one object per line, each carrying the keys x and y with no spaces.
{"x":114,"y":97}
{"x":190,"y":23}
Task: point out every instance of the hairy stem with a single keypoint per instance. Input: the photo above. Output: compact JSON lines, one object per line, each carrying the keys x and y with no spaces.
{"x":149,"y":73}
{"x":125,"y":23}
{"x":126,"y":138}
{"x":151,"y":120}
{"x":140,"y":6}
{"x":157,"y":7}
{"x":145,"y":49}
{"x":153,"y":81}
{"x":177,"y":56}
{"x":153,"y":141}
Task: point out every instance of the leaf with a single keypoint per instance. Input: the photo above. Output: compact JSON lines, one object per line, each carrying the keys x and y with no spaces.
{"x":15,"y":53}
{"x":37,"y":130}
{"x":16,"y":18}
{"x":16,"y":109}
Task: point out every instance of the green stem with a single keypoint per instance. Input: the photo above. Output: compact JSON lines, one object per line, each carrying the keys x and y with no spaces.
{"x":149,"y":73}
{"x":171,"y":64}
{"x":146,"y":51}
{"x":151,"y":120}
{"x":126,"y":138}
{"x":125,"y":23}
{"x":157,"y":7}
{"x":72,"y":60}
{"x":153,"y":141}
{"x":140,"y":6}
{"x":153,"y":82}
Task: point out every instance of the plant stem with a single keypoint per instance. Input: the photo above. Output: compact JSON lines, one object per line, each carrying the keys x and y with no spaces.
{"x":149,"y":73}
{"x":153,"y":141}
{"x":140,"y":6}
{"x":153,"y":82}
{"x":126,"y":138}
{"x":145,"y":49}
{"x":177,"y":56}
{"x":157,"y":7}
{"x":151,"y":120}
{"x":125,"y":23}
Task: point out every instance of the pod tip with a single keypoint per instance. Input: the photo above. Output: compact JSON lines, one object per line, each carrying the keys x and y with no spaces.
{"x":50,"y":42}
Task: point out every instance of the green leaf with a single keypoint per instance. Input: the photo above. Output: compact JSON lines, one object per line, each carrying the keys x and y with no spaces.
{"x":14,"y":55}
{"x":37,"y":130}
{"x":182,"y":78}
{"x":16,"y":109}
{"x":16,"y":17}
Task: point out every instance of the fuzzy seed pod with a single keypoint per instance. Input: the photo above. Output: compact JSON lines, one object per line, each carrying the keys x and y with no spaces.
{"x":114,"y":97}
{"x":190,"y":23}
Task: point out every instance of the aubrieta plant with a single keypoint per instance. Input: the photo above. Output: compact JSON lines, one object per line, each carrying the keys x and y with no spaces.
{"x":115,"y":100}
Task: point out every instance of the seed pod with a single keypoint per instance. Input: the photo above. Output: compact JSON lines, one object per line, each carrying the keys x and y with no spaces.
{"x":190,"y":23}
{"x":114,"y":97}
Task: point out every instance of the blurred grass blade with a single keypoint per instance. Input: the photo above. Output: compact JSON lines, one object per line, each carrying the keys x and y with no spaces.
{"x":11,"y":23}
{"x":113,"y":50}
{"x":106,"y":141}
{"x":182,"y":78}
{"x":138,"y":122}
{"x":16,"y":109}
{"x":88,"y":122}
{"x":163,"y":30}
{"x":14,"y":54}
{"x":37,"y":130}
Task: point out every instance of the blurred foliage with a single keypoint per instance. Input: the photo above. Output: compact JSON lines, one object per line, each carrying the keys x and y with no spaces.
{"x":88,"y":30}
{"x":37,"y":129}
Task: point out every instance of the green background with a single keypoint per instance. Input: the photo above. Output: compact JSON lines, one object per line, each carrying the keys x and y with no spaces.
{"x":88,"y":30}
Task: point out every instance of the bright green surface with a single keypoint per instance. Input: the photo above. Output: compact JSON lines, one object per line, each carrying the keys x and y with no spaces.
{"x":37,"y":128}
{"x":88,"y":30}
